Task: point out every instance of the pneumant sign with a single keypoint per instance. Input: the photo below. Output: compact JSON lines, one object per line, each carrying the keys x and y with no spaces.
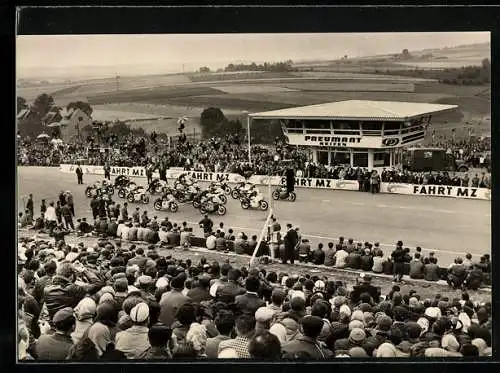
{"x":332,"y":140}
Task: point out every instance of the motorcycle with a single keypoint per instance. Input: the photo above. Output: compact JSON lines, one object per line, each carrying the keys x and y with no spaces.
{"x":125,"y":190}
{"x":185,"y":195}
{"x":219,"y":193}
{"x":162,"y":204}
{"x":222,"y":186}
{"x":94,"y":190}
{"x":246,"y":203}
{"x":239,"y":191}
{"x":279,"y":193}
{"x":208,"y":208}
{"x":219,"y":198}
{"x":157,"y":186}
{"x":121,"y":181}
{"x":138,"y":195}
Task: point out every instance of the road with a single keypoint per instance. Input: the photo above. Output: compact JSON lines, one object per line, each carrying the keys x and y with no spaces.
{"x":450,"y":227}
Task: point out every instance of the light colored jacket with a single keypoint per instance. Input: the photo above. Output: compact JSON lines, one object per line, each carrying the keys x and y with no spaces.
{"x":133,"y":342}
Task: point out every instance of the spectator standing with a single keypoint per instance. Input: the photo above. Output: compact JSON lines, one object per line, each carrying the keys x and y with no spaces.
{"x":398,"y":260}
{"x":79,"y":174}
{"x":29,"y":205}
{"x":290,"y":241}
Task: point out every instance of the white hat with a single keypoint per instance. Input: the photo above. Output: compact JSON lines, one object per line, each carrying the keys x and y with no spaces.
{"x":297,"y":294}
{"x":433,"y":312}
{"x":213,"y":290}
{"x":162,"y":283}
{"x":264,"y":314}
{"x":345,"y":309}
{"x":140,"y":312}
{"x":319,"y":285}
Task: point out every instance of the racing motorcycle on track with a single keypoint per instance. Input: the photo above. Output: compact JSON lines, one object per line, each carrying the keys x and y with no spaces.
{"x":282,"y":193}
{"x":221,"y":186}
{"x":210,"y":208}
{"x":165,"y":204}
{"x":257,"y":202}
{"x":186,"y":195}
{"x":241,"y":189}
{"x":121,"y":181}
{"x":138,"y":195}
{"x":125,"y":190}
{"x":217,"y":198}
{"x":157,"y":186}
{"x":98,"y":189}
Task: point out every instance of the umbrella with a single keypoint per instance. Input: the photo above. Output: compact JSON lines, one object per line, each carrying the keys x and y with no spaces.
{"x":43,"y":136}
{"x":55,"y":124}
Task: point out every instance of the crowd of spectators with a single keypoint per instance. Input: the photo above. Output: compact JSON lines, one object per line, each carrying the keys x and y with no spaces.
{"x":116,"y":300}
{"x":475,"y":150}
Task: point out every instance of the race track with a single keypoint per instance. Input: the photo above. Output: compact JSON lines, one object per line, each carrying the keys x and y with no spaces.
{"x":448,"y":226}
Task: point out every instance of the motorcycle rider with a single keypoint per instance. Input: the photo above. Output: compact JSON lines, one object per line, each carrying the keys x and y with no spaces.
{"x":254,"y":195}
{"x":168,"y":198}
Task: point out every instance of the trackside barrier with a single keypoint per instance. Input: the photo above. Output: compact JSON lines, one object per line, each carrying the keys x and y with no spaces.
{"x":301,"y":182}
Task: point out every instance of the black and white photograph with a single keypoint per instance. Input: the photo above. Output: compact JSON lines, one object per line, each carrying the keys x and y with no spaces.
{"x":253,"y":196}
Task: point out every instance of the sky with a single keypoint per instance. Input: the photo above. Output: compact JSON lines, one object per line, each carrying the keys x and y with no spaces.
{"x":136,"y":53}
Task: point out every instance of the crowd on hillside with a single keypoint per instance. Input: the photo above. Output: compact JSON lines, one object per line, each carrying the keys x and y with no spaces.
{"x":117,"y":301}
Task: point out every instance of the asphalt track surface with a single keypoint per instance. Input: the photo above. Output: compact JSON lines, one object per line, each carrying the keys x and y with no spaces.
{"x":448,"y":226}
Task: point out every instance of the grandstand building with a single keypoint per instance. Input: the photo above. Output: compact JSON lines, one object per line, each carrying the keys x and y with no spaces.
{"x":358,"y":133}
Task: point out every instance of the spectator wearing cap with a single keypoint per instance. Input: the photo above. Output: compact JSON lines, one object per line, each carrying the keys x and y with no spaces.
{"x":249,"y":302}
{"x":159,"y":337}
{"x":200,"y":292}
{"x":265,"y":346}
{"x":263,"y":317}
{"x":365,"y":287}
{"x":172,"y":300}
{"x":357,"y":337}
{"x":245,"y":330}
{"x":224,"y":322}
{"x":56,"y":346}
{"x":84,"y":314}
{"x":308,"y":343}
{"x":227,"y":292}
{"x":120,"y":286}
{"x":381,"y":332}
{"x":134,"y":341}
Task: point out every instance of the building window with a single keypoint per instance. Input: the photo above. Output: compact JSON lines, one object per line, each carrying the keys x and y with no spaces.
{"x":340,"y":158}
{"x":381,"y":159}
{"x":360,"y":159}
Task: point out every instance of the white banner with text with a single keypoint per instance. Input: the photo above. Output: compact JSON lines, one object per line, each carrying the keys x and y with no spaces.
{"x":300,"y":182}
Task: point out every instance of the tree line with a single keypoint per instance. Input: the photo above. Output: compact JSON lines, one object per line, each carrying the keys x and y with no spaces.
{"x":213,"y":122}
{"x":284,"y":66}
{"x":466,"y":75}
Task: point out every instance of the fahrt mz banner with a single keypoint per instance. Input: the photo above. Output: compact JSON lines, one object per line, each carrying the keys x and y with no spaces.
{"x":436,"y":191}
{"x":207,"y":176}
{"x":324,"y":183}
